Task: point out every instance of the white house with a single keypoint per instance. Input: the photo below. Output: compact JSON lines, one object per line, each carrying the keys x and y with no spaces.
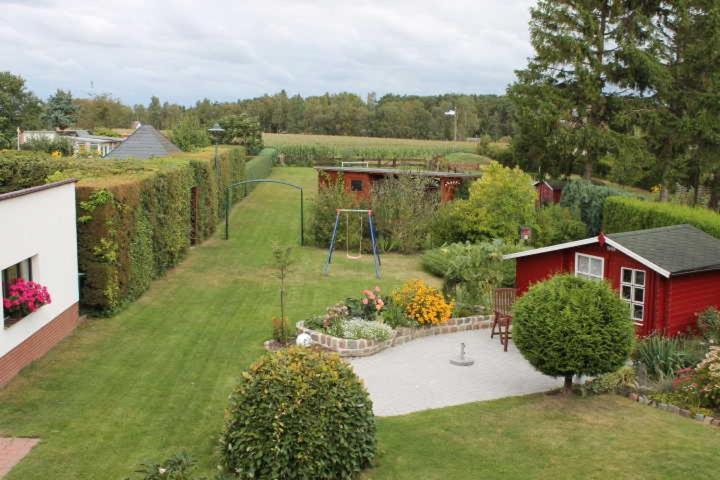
{"x":38,"y":242}
{"x":82,"y":140}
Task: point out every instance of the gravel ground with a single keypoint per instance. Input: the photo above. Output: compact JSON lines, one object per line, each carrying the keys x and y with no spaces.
{"x":418,"y":375}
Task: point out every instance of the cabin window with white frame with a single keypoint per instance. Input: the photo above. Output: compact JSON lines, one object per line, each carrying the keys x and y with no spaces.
{"x":588,"y":266}
{"x":632,"y":290}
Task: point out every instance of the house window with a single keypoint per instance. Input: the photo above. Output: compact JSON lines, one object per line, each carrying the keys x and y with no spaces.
{"x":356,"y":185}
{"x":589,"y":267}
{"x":19,"y":270}
{"x":632,"y":290}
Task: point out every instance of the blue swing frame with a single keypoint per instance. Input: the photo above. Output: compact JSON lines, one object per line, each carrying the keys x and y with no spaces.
{"x":373,"y":239}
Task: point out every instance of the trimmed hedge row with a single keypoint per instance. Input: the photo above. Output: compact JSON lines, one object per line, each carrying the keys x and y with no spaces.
{"x":136,"y":219}
{"x":624,"y":214}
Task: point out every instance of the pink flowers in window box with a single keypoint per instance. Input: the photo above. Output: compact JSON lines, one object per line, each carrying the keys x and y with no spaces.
{"x":25,"y":297}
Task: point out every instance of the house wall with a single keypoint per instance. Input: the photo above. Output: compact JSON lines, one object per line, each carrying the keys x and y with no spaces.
{"x":41,"y":226}
{"x":688,"y":296}
{"x":536,"y":268}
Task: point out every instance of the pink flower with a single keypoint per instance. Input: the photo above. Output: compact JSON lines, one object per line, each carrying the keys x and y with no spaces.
{"x":365,"y":301}
{"x":377,"y":289}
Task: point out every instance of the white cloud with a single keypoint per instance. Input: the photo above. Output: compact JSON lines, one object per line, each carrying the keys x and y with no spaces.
{"x":185,"y":50}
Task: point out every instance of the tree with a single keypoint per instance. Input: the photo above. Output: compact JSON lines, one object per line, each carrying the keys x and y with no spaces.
{"x":570,"y":326}
{"x":189,"y":135}
{"x":501,"y":201}
{"x":19,"y":108}
{"x":242,"y":130}
{"x":60,"y":111}
{"x":103,"y":111}
{"x":585,"y":56}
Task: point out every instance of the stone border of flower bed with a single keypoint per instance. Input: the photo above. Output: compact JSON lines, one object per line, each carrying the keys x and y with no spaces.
{"x":705,"y":419}
{"x":364,"y":348}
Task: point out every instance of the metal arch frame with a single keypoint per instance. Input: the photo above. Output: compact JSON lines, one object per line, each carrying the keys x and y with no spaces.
{"x":263,"y":180}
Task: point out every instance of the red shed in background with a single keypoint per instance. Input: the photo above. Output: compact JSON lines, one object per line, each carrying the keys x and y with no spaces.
{"x":548,"y":191}
{"x":361,"y":180}
{"x":666,"y":275}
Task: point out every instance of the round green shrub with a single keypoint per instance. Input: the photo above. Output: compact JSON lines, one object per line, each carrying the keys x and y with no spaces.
{"x":569,"y":326}
{"x":298,"y":414}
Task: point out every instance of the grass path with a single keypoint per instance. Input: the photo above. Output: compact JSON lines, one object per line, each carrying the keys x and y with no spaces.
{"x":154,"y":379}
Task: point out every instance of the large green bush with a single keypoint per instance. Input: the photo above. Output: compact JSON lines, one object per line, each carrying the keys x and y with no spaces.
{"x":623,"y":214}
{"x":588,"y":200}
{"x":555,"y":224}
{"x":403,"y":208}
{"x":299,"y":414}
{"x":569,"y":326}
{"x":500,"y":202}
{"x":189,"y":134}
{"x":471,"y":271}
{"x":242,"y":130}
{"x":26,"y":169}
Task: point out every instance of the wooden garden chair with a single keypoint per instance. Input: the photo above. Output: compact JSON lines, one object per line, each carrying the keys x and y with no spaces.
{"x":503,"y":300}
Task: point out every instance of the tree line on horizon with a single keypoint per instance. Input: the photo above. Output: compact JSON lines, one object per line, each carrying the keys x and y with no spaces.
{"x":401,"y":116}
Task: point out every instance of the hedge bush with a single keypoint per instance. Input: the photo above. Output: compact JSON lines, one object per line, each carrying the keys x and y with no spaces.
{"x":569,"y":326}
{"x":135,"y":216}
{"x":299,"y":414}
{"x":624,"y":214}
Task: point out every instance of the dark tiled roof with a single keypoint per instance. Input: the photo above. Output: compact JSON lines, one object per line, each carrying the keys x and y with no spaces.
{"x":679,"y":249}
{"x":144,"y":142}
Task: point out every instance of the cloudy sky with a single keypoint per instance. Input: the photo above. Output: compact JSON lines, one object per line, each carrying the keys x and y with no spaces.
{"x":224,"y":50}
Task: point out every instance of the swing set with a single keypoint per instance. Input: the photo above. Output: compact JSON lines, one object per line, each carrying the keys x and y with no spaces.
{"x":351,"y":256}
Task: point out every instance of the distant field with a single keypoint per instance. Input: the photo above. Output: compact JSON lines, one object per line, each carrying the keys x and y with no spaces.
{"x":302,"y":149}
{"x":338,"y":141}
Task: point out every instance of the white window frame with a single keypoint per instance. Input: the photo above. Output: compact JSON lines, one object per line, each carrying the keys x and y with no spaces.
{"x":633,"y":285}
{"x":589,"y":275}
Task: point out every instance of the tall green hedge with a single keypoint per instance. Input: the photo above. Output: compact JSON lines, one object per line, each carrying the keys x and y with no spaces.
{"x":623,"y":214}
{"x":134,"y":216}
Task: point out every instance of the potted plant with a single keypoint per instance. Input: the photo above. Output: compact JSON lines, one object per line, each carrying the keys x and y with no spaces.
{"x":25,"y":297}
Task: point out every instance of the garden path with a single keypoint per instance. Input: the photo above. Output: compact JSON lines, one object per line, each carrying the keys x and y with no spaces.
{"x":418,"y":375}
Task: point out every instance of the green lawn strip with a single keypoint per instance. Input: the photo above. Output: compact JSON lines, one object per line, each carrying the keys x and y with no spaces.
{"x":545,"y":437}
{"x":154,"y":379}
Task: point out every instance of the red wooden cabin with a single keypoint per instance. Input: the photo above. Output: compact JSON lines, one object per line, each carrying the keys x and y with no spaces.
{"x":666,"y":275}
{"x":548,"y":191}
{"x":361,"y":180}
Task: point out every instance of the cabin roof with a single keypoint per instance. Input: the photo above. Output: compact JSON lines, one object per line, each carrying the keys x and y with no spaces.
{"x":670,"y":251}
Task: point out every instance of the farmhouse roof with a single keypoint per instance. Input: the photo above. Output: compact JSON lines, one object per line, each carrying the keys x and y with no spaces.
{"x":670,"y":251}
{"x":398,"y":171}
{"x":145,"y":142}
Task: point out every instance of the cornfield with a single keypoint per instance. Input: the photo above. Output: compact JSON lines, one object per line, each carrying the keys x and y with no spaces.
{"x":298,"y":149}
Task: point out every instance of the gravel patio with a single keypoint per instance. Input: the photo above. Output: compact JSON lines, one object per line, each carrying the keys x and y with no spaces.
{"x":418,"y":375}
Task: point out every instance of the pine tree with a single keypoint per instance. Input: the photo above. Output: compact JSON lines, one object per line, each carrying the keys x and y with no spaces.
{"x":60,"y":111}
{"x":586,"y":57}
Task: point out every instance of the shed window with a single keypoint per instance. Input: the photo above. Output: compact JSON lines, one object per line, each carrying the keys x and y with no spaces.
{"x":589,"y":267}
{"x":632,"y":290}
{"x":356,"y":185}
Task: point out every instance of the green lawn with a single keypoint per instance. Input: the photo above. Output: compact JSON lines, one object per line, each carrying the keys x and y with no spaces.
{"x":154,"y":380}
{"x":546,"y":437}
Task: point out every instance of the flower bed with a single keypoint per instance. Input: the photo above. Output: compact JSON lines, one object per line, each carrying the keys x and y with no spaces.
{"x":363,"y":347}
